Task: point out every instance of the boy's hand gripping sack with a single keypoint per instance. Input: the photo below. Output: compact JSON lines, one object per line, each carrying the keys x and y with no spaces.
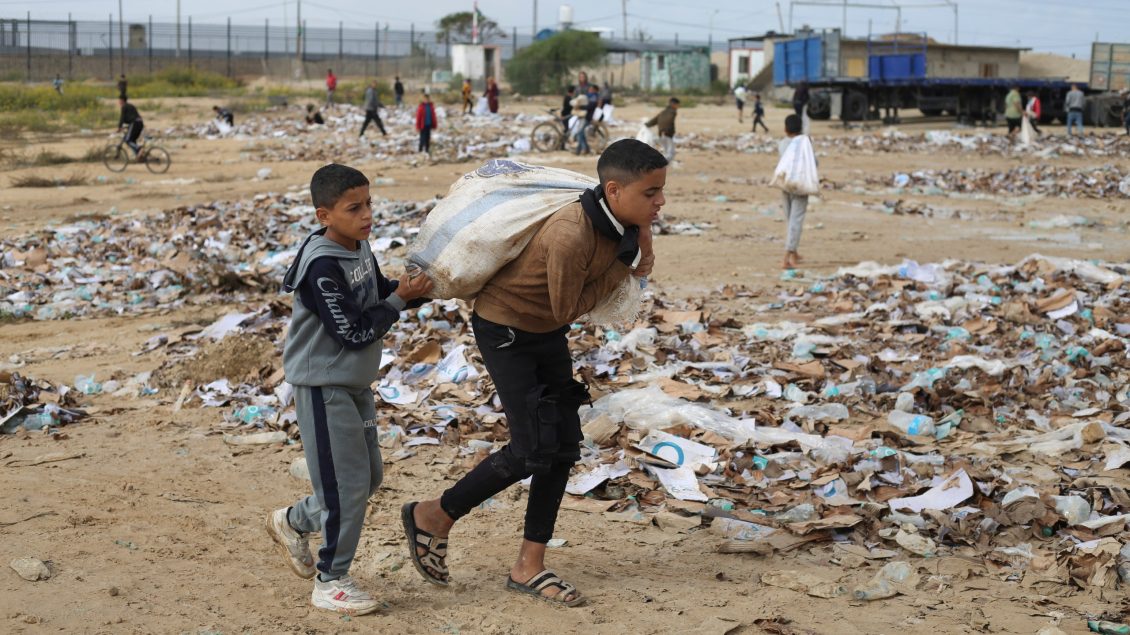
{"x":486,"y":220}
{"x":796,"y":171}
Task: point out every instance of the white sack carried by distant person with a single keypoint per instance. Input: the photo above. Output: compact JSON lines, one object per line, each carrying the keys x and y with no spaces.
{"x":481,"y":107}
{"x":604,"y":113}
{"x":796,"y":171}
{"x":645,"y":135}
{"x":740,"y":93}
{"x":486,"y":220}
{"x":1027,"y":134}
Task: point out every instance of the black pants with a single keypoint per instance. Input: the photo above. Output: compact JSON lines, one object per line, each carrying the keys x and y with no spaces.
{"x":425,"y":140}
{"x":533,"y":374}
{"x":134,"y":133}
{"x":372,"y":115}
{"x":758,"y":119}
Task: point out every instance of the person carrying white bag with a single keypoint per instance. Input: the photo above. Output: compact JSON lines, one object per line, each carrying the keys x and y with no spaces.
{"x":581,"y":254}
{"x":797,"y":178}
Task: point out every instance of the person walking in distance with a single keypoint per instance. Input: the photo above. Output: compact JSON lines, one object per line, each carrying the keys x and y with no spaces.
{"x":758,"y":113}
{"x":331,"y":86}
{"x":123,"y":87}
{"x":665,"y":121}
{"x":372,"y":107}
{"x":491,"y":94}
{"x":466,"y":94}
{"x":1032,"y":111}
{"x":426,"y":121}
{"x":1073,"y":104}
{"x":1013,"y":110}
{"x":398,"y":92}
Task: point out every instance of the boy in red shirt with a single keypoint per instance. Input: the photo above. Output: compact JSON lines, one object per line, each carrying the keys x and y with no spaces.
{"x":426,"y":121}
{"x":331,"y":86}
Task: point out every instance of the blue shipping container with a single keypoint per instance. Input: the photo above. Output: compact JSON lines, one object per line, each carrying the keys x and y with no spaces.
{"x":896,"y":66}
{"x":799,"y":60}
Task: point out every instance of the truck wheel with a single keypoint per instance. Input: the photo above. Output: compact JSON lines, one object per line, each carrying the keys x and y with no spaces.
{"x":820,"y":106}
{"x":931,"y":112}
{"x":855,"y":106}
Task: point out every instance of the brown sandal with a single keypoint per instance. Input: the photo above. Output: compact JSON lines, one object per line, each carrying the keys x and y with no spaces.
{"x":436,"y":556}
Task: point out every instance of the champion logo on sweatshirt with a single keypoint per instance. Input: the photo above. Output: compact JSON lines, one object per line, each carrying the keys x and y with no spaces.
{"x":332,"y":295}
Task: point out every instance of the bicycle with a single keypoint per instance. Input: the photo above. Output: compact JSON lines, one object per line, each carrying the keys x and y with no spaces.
{"x":553,"y":135}
{"x":116,"y":157}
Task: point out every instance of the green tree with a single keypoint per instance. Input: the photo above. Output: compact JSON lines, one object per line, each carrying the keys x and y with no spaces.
{"x":544,"y":65}
{"x":458,"y":27}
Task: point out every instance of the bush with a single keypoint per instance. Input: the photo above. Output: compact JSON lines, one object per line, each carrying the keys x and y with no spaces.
{"x":544,"y":66}
{"x":180,"y":82}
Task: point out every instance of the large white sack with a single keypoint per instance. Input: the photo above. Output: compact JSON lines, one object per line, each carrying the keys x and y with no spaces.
{"x":486,"y":220}
{"x":482,"y":107}
{"x":646,"y":135}
{"x":796,"y":171}
{"x":1027,"y":133}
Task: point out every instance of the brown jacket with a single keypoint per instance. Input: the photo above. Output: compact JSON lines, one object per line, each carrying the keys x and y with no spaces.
{"x":561,"y":275}
{"x":665,"y":120}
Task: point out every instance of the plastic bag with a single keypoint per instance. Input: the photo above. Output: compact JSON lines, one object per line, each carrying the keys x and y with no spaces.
{"x":487,"y":219}
{"x":796,"y":171}
{"x":646,"y":135}
{"x":805,"y":122}
{"x":740,"y":93}
{"x":652,"y":409}
{"x":481,"y":107}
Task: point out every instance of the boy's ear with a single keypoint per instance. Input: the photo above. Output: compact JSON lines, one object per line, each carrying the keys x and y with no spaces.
{"x":612,"y":190}
{"x":322,"y":215}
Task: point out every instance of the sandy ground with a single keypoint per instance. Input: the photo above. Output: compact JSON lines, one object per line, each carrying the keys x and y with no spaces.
{"x":157,"y":526}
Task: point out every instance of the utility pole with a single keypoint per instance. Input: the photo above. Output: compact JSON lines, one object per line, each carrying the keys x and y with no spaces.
{"x":780,"y":18}
{"x":710,"y":33}
{"x":624,"y":17}
{"x":843,"y":31}
{"x":535,"y":33}
{"x":121,"y":37}
{"x":178,"y":28}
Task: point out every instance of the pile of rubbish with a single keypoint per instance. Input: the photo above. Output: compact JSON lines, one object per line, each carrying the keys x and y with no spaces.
{"x":1107,"y":181}
{"x":35,"y":404}
{"x":112,"y":265}
{"x":283,"y":135}
{"x":891,"y":141}
{"x":960,"y":409}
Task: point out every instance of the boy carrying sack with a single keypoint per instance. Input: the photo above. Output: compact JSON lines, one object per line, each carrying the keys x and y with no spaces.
{"x":578,"y":256}
{"x":343,"y":305}
{"x":796,"y":176}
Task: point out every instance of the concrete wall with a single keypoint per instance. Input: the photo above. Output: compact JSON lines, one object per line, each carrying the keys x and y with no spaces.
{"x":754,"y":61}
{"x":671,"y":72}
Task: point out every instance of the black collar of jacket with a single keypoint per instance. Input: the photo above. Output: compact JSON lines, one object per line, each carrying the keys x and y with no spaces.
{"x":596,"y":208}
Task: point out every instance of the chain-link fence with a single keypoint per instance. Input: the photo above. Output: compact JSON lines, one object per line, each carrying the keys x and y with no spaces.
{"x":38,"y":50}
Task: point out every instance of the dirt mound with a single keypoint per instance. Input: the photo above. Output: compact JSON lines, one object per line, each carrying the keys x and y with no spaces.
{"x":240,"y":358}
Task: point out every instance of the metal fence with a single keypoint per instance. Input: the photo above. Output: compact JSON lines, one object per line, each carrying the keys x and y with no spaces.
{"x":37,"y":50}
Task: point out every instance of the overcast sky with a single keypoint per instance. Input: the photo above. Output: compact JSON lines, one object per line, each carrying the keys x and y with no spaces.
{"x":1060,"y":26}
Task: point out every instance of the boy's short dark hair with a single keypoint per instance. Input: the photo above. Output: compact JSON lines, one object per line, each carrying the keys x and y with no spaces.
{"x":673,"y":100}
{"x":793,"y":124}
{"x":626,"y":160}
{"x":331,"y":181}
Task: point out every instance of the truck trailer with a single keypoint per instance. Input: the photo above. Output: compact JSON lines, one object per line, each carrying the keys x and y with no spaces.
{"x":875,"y":78}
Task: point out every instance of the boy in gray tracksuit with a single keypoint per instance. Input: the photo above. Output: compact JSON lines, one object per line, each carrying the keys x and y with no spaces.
{"x":343,"y":305}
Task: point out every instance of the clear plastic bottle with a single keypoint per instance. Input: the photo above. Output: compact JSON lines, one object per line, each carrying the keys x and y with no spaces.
{"x":912,"y":424}
{"x":881,"y":586}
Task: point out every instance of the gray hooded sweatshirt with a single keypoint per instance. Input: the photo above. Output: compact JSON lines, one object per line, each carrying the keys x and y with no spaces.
{"x":342,"y":309}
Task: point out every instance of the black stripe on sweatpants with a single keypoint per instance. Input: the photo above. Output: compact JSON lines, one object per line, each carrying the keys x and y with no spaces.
{"x":332,"y":526}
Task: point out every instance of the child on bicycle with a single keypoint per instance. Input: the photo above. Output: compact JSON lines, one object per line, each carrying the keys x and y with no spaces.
{"x":130,"y":117}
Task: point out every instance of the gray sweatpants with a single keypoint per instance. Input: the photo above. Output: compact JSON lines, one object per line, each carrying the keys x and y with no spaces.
{"x":339,"y":438}
{"x":667,"y":147}
{"x":795,"y":207}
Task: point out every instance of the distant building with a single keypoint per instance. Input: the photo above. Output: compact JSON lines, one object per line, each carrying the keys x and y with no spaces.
{"x":667,"y":67}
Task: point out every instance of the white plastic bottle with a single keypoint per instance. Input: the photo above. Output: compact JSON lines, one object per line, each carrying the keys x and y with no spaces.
{"x":911,"y":424}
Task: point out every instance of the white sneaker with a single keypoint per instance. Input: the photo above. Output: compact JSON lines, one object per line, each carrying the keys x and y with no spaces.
{"x":342,"y":595}
{"x":297,"y":547}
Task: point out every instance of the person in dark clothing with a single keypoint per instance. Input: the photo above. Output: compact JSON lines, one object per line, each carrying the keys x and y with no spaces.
{"x":800,"y":98}
{"x":224,"y":114}
{"x":665,"y":121}
{"x":122,"y":85}
{"x":576,"y":259}
{"x":426,"y":121}
{"x":1126,"y":109}
{"x":758,"y":113}
{"x":314,"y":116}
{"x":131,"y":118}
{"x":372,"y":109}
{"x":398,"y":90}
{"x":492,"y":93}
{"x":566,"y":112}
